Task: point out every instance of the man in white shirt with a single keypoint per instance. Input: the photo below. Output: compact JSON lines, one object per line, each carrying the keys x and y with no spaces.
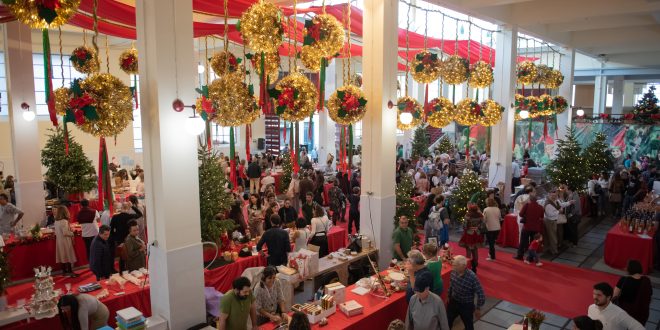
{"x":611,"y":315}
{"x":515,"y":174}
{"x":265,"y":181}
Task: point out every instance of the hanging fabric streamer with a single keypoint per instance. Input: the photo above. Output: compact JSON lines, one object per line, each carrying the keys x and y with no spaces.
{"x":545,"y":128}
{"x":294,"y":154}
{"x":104,"y":188}
{"x":248,"y":139}
{"x":232,"y":159}
{"x":135,"y":91}
{"x":284,"y":133}
{"x":342,"y":143}
{"x":529,"y":135}
{"x":310,"y":130}
{"x":488,"y":138}
{"x":66,"y":139}
{"x":556,"y":127}
{"x":467,"y":144}
{"x":48,"y":78}
{"x":263,"y":82}
{"x":350,"y":150}
{"x":426,"y":99}
{"x":208,"y":135}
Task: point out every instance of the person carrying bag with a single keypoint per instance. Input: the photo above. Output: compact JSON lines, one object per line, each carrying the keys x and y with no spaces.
{"x":320,"y":227}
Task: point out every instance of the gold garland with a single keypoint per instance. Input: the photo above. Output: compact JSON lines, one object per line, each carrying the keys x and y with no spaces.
{"x":545,"y":105}
{"x":532,"y":106}
{"x":491,"y":113}
{"x":467,"y":112}
{"x":335,"y":104}
{"x":560,"y":104}
{"x":261,"y":27}
{"x":414,"y":108}
{"x":442,"y":112}
{"x":527,"y":72}
{"x":481,"y":75}
{"x":425,"y":67}
{"x":62,"y":98}
{"x":328,"y":35}
{"x":232,"y":100}
{"x":113,"y":102}
{"x":305,"y":101}
{"x":88,"y":66}
{"x":455,"y":70}
{"x":219,"y":63}
{"x":554,"y":79}
{"x":27,"y":12}
{"x":128,"y":61}
{"x":271,"y":65}
{"x":311,"y":58}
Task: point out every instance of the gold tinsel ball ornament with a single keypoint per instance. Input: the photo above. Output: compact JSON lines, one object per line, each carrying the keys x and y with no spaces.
{"x":554,"y":79}
{"x":560,"y":104}
{"x":128,"y":61}
{"x":297,"y":97}
{"x":324,"y":33}
{"x":347,"y":105}
{"x":532,"y":105}
{"x":491,"y":113}
{"x":441,"y":112}
{"x":219,"y":63}
{"x":62,"y":98}
{"x":467,"y":112}
{"x":113,"y":103}
{"x":271,"y":65}
{"x":261,"y":27}
{"x":455,"y":70}
{"x":527,"y":72}
{"x":409,"y":105}
{"x":311,"y":58}
{"x":542,"y":71}
{"x":40,"y":14}
{"x":85,"y":60}
{"x":425,"y":67}
{"x":481,"y":75}
{"x":545,"y":105}
{"x":232,"y":99}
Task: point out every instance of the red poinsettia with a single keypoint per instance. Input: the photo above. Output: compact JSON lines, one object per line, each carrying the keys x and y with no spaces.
{"x":427,"y":60}
{"x":81,"y":54}
{"x":314,"y":31}
{"x":350,"y":103}
{"x":207,"y":105}
{"x":232,"y":61}
{"x":81,"y":102}
{"x":80,"y":116}
{"x":410,"y":107}
{"x":477,"y":109}
{"x":128,"y":62}
{"x":629,"y":116}
{"x":286,"y":98}
{"x":604,"y":116}
{"x":50,"y":4}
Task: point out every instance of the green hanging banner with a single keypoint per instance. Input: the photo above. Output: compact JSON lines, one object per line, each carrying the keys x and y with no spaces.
{"x":48,"y":81}
{"x":232,"y":158}
{"x":350,"y":149}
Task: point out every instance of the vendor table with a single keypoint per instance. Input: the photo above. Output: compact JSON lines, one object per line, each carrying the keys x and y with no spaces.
{"x":221,"y":278}
{"x":510,"y":232}
{"x":623,"y":246}
{"x":27,"y":255}
{"x":74,"y":208}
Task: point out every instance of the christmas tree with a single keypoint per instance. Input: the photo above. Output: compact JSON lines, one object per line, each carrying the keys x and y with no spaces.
{"x":287,"y":170}
{"x":597,"y":155}
{"x":213,"y":196}
{"x":648,"y":104}
{"x":404,"y":202}
{"x":4,"y":272}
{"x":420,"y":143}
{"x":72,"y":172}
{"x":445,"y":145}
{"x":568,"y":167}
{"x":469,"y":189}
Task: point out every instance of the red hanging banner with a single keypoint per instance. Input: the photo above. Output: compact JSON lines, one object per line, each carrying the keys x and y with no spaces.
{"x":248,"y":139}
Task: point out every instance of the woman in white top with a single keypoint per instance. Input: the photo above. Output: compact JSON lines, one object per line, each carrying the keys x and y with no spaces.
{"x":82,"y":312}
{"x":553,"y":209}
{"x":492,"y":218}
{"x":64,"y":252}
{"x":320,"y":227}
{"x":301,"y":235}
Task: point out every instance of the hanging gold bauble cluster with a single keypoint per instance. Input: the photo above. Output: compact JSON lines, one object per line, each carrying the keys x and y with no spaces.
{"x":481,"y":75}
{"x":128,"y":61}
{"x":29,"y":12}
{"x":351,"y":108}
{"x":310,"y":58}
{"x":62,"y":98}
{"x":271,"y":65}
{"x":527,"y":72}
{"x":261,"y":27}
{"x":441,"y":112}
{"x":232,"y":100}
{"x":113,"y":103}
{"x":327,"y":35}
{"x":425,"y":67}
{"x":410,"y":105}
{"x":491,"y":113}
{"x":85,"y":60}
{"x":467,"y":112}
{"x":455,"y":70}
{"x":219,"y":63}
{"x":304,"y":98}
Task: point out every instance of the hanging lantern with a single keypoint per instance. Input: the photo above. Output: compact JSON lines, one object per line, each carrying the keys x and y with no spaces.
{"x":468,"y":112}
{"x":325,"y":35}
{"x":425,"y":67}
{"x":295,"y":97}
{"x":441,"y":112}
{"x":271,"y":64}
{"x":491,"y":113}
{"x":232,"y":100}
{"x":42,"y":14}
{"x":410,"y":113}
{"x":113,"y":102}
{"x":481,"y":75}
{"x":219,"y":64}
{"x":261,"y":27}
{"x":560,"y":104}
{"x":527,"y":72}
{"x":347,"y":105}
{"x":85,"y":60}
{"x":128,"y":61}
{"x":455,"y":70}
{"x":554,"y":79}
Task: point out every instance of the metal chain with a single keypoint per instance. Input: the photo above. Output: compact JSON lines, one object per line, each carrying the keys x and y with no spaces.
{"x":84,"y":37}
{"x":426,"y":29}
{"x":442,"y":38}
{"x":288,"y":45}
{"x":469,"y":40}
{"x":59,"y":31}
{"x":349,"y":41}
{"x":456,"y":40}
{"x":481,"y":42}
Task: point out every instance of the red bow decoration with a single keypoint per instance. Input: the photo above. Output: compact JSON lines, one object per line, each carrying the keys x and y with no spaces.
{"x":315,"y":31}
{"x":629,"y":116}
{"x":477,"y":109}
{"x":81,"y":54}
{"x":410,"y":107}
{"x":350,"y":103}
{"x":80,"y":116}
{"x":128,"y":61}
{"x":232,"y":61}
{"x":286,"y":98}
{"x":50,"y":4}
{"x":427,"y":59}
{"x":655,"y":116}
{"x":81,"y":102}
{"x":207,"y":105}
{"x":604,"y":116}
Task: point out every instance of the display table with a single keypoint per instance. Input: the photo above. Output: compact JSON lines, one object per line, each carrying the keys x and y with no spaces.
{"x":221,"y":278}
{"x":623,"y":246}
{"x":337,"y":238}
{"x":74,"y":208}
{"x":510,"y":232}
{"x":27,"y":255}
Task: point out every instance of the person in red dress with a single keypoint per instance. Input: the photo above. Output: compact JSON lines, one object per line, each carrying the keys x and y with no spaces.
{"x":472,"y":238}
{"x":534,"y":250}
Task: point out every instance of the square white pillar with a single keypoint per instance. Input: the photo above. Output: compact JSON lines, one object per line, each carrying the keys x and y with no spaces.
{"x":567,"y":63}
{"x":600,"y":93}
{"x":617,"y":95}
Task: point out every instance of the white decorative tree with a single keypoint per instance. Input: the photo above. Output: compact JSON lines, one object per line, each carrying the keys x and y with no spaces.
{"x":44,"y":300}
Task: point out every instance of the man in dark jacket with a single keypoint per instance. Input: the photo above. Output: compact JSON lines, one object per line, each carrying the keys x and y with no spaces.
{"x":254,"y":174}
{"x":101,"y":259}
{"x":532,"y":215}
{"x":308,"y":208}
{"x":287,"y":213}
{"x":306,"y":186}
{"x":119,"y":228}
{"x":277,"y":241}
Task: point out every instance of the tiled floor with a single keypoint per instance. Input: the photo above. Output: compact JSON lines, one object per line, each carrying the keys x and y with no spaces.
{"x":499,"y":314}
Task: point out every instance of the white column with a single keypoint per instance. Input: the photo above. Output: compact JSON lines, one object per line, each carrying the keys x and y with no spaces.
{"x":617,"y":95}
{"x":503,"y":92}
{"x":326,"y":125}
{"x":628,"y":94}
{"x":567,"y":63}
{"x":167,"y":71}
{"x":407,"y":142}
{"x":600,"y":93}
{"x":24,"y":134}
{"x":378,"y":200}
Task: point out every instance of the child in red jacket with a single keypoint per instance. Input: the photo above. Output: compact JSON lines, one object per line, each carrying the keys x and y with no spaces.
{"x":534,"y":249}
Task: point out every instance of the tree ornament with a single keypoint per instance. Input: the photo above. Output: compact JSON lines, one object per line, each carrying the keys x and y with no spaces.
{"x":542,"y":72}
{"x":425,"y":67}
{"x":42,"y":14}
{"x":347,"y":105}
{"x":62,"y":97}
{"x":113,"y":102}
{"x":481,"y":75}
{"x":455,"y":70}
{"x":271,"y":64}
{"x":560,"y":104}
{"x":491,"y":113}
{"x":441,"y":112}
{"x":295,"y":97}
{"x":527,"y":72}
{"x":128,"y":61}
{"x":553,"y":79}
{"x":261,"y":27}
{"x":234,"y":102}
{"x":324,"y":34}
{"x":85,"y":60}
{"x":545,"y":105}
{"x":311,"y":58}
{"x":468,"y":112}
{"x":219,"y":63}
{"x":409,"y":105}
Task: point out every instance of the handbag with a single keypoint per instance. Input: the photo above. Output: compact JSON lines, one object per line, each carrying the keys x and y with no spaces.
{"x":562,"y":219}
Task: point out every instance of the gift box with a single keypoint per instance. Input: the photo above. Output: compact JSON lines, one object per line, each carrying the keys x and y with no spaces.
{"x":337,"y":290}
{"x":305,"y":262}
{"x":351,"y":308}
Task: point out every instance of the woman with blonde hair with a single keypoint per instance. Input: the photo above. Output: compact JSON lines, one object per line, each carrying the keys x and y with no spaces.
{"x":64,"y":252}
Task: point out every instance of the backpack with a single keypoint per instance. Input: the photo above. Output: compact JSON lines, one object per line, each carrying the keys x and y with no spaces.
{"x":598,"y":190}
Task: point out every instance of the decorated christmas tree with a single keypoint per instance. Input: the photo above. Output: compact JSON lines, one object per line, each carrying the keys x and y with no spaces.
{"x":445,"y":145}
{"x":404,"y":203}
{"x":72,"y":172}
{"x":287,"y":170}
{"x":4,"y":272}
{"x":597,"y":155}
{"x":568,"y":166}
{"x":469,"y":189}
{"x":648,"y":104}
{"x":214,"y":198}
{"x":420,"y":143}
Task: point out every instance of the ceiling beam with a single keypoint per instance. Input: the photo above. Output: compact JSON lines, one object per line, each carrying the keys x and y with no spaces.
{"x":618,"y":37}
{"x":559,"y":11}
{"x":602,"y":22}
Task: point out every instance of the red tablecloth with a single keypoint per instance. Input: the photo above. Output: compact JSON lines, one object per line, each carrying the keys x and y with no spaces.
{"x":420,"y":200}
{"x":221,"y":278}
{"x":326,"y":193}
{"x":378,"y":312}
{"x":277,"y":176}
{"x":24,"y":257}
{"x":133,"y":296}
{"x":509,"y":233}
{"x":337,"y":238}
{"x":75,"y":208}
{"x":585,"y":206}
{"x":622,"y":246}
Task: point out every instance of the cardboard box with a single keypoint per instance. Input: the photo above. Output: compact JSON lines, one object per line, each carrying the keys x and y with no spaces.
{"x":313,"y":260}
{"x":337,"y":290}
{"x":313,"y":319}
{"x":351,"y":308}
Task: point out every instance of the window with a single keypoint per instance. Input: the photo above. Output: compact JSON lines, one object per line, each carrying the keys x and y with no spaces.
{"x":59,"y":65}
{"x":3,"y":87}
{"x":357,"y":130}
{"x":220,"y":135}
{"x":137,"y":119}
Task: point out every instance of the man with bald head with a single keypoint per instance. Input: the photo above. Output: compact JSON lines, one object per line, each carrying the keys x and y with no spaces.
{"x":119,"y":227}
